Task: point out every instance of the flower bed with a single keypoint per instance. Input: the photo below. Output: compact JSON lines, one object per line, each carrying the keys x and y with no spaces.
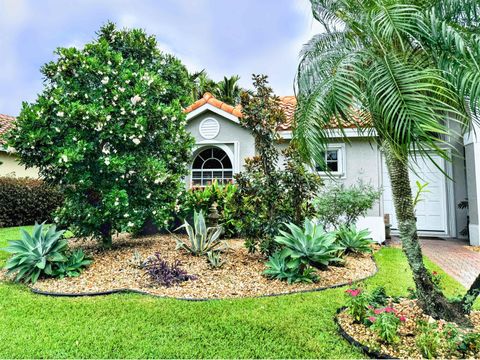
{"x":240,"y":276}
{"x":416,"y":335}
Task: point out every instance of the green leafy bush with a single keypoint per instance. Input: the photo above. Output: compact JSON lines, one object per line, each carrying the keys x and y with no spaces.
{"x":385,"y":322}
{"x":43,"y":253}
{"x":24,"y":201}
{"x":202,"y":239}
{"x":308,"y":246}
{"x":73,"y":267}
{"x":203,"y":198}
{"x":109,"y":127}
{"x":340,"y":205}
{"x":268,"y":196}
{"x":428,"y":340}
{"x":378,"y":297}
{"x":280,"y":267}
{"x":357,"y":303}
{"x":352,"y":240}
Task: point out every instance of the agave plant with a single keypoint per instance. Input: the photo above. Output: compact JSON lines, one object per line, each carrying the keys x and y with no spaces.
{"x":311,"y":245}
{"x":352,"y":240}
{"x":202,"y":239}
{"x":36,"y":254}
{"x":279,"y":267}
{"x":74,"y":265}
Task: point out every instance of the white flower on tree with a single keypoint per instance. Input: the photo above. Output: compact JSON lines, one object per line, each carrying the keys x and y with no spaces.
{"x":135,"y":99}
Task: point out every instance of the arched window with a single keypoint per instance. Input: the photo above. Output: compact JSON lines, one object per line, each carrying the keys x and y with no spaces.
{"x":210,"y":164}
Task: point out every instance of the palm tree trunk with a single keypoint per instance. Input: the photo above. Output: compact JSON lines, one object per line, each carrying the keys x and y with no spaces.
{"x":430,"y":298}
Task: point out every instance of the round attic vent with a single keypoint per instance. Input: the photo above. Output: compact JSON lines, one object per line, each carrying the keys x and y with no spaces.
{"x":209,"y":128}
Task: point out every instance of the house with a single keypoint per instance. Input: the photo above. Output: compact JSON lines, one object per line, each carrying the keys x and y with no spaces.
{"x":9,"y":165}
{"x":222,"y":144}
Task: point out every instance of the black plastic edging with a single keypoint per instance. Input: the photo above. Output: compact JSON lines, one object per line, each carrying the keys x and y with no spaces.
{"x":368,"y":351}
{"x":126,"y":291}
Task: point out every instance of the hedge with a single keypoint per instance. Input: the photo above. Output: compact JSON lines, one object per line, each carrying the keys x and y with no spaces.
{"x":24,"y":201}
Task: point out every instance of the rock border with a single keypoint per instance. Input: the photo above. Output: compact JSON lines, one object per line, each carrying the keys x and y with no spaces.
{"x":127,"y":291}
{"x":366,"y":350}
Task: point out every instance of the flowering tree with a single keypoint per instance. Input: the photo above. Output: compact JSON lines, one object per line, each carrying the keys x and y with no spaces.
{"x":109,"y":128}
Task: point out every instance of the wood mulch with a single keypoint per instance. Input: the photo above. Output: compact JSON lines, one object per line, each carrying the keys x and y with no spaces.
{"x":406,"y":348}
{"x":240,"y":276}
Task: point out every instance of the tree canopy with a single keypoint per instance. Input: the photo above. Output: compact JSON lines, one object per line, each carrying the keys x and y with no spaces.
{"x":109,"y":128}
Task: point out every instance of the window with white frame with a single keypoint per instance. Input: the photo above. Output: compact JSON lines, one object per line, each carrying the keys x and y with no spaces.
{"x":333,"y":163}
{"x":209,"y":165}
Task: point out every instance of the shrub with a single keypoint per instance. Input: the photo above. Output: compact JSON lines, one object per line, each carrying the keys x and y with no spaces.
{"x":202,"y":239}
{"x":214,"y":259}
{"x":310,"y":245}
{"x":164,"y":273}
{"x":428,"y":340}
{"x":24,"y":201}
{"x":357,"y":303}
{"x":337,"y":204}
{"x":378,"y":297}
{"x":109,"y":127}
{"x":469,"y":344}
{"x":267,"y":196}
{"x":385,"y":323}
{"x":280,"y":267}
{"x":73,"y":267}
{"x":352,"y":240}
{"x":222,"y":196}
{"x":43,"y":253}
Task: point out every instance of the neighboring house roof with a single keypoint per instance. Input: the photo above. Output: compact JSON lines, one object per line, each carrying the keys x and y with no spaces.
{"x":287,"y":103}
{"x":6,"y":123}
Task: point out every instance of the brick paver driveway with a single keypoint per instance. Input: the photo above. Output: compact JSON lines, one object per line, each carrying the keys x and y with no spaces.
{"x":454,"y":257}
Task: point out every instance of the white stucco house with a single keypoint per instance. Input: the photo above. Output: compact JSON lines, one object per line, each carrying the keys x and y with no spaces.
{"x":222,"y":145}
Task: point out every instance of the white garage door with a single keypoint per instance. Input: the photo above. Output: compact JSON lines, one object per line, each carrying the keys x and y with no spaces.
{"x":432,"y":210}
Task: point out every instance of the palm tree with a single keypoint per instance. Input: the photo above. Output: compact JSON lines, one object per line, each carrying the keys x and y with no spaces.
{"x":202,"y":84}
{"x":399,"y":66}
{"x":228,"y":90}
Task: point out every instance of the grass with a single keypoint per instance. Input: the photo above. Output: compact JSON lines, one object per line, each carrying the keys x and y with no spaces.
{"x":135,"y":326}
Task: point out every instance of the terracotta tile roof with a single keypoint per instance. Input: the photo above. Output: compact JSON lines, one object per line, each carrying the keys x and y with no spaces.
{"x":6,"y":123}
{"x":287,"y":103}
{"x":209,"y":99}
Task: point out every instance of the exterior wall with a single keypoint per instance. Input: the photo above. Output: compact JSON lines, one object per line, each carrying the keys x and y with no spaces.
{"x":362,"y":163}
{"x":11,"y":167}
{"x":238,"y":140}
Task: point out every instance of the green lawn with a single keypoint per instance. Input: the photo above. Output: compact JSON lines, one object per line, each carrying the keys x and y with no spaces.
{"x":135,"y":326}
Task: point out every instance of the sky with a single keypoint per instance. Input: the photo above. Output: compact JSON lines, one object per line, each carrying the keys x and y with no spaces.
{"x":224,"y":37}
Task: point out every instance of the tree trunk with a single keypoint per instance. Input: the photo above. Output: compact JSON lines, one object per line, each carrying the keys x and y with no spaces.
{"x":106,"y":233}
{"x":430,"y":298}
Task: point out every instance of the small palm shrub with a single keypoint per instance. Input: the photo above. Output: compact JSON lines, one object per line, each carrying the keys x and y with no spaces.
{"x":308,"y":246}
{"x":279,"y":267}
{"x":166,"y":274}
{"x":352,"y":240}
{"x":42,"y":253}
{"x":202,"y":239}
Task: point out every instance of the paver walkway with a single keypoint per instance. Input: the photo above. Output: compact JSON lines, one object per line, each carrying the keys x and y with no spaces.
{"x":454,"y":257}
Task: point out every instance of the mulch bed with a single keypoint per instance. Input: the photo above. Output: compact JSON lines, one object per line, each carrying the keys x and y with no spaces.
{"x":362,"y":336}
{"x":240,"y":276}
